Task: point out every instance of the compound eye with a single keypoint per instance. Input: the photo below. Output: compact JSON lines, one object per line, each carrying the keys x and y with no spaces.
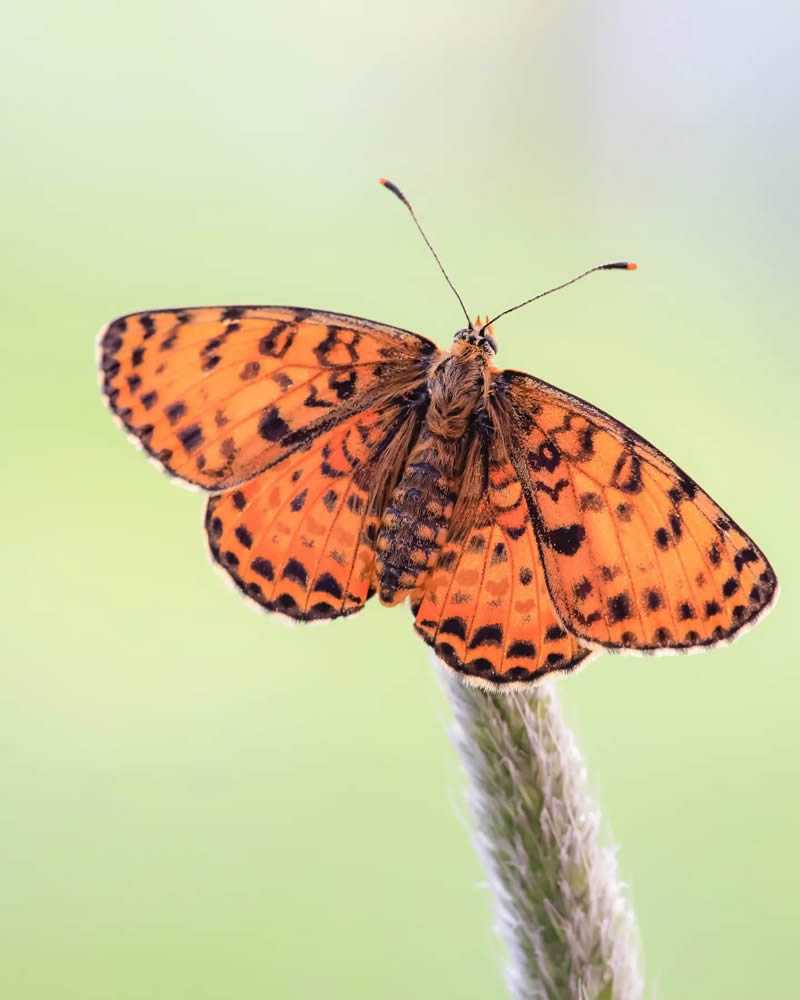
{"x":491,"y":342}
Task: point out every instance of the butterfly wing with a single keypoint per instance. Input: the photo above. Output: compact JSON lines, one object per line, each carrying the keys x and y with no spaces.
{"x":485,"y":609}
{"x":218,"y":394}
{"x":299,"y":538}
{"x":636,"y":555}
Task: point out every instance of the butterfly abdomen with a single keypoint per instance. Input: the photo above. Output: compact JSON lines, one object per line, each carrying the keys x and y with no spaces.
{"x":415,"y":522}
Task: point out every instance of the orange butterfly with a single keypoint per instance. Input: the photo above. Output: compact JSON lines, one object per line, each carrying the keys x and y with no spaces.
{"x":344,"y":457}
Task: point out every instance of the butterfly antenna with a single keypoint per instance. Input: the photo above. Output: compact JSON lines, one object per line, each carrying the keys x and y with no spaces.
{"x":396,"y":191}
{"x":620,"y":265}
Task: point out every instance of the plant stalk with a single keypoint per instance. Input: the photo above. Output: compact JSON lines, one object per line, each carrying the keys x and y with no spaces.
{"x":560,"y":906}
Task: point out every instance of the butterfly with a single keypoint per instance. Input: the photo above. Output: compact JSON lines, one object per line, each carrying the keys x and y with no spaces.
{"x":528,"y":529}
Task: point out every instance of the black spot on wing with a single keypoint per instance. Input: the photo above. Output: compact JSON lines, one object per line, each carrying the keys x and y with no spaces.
{"x":298,"y":501}
{"x":619,"y":607}
{"x":624,"y":512}
{"x":730,"y":586}
{"x":654,"y":600}
{"x":546,"y":457}
{"x":627,"y":474}
{"x":589,"y":501}
{"x":582,"y":589}
{"x":175,"y":411}
{"x":244,"y":536}
{"x":454,"y":626}
{"x":521,"y":648}
{"x":499,"y":554}
{"x":233,"y":312}
{"x":742,"y":557}
{"x":662,"y":538}
{"x":148,"y":325}
{"x":567,"y":540}
{"x":487,"y":635}
{"x":343,"y":385}
{"x":295,"y":570}
{"x":271,"y":426}
{"x":190,"y":437}
{"x":263,"y":567}
{"x":328,"y":584}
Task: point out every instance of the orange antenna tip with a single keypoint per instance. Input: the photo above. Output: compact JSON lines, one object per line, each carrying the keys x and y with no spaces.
{"x":395,"y":190}
{"x":382,"y":180}
{"x":618,"y":265}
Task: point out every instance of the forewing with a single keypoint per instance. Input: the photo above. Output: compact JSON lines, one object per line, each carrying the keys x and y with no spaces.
{"x":299,"y":538}
{"x":218,"y":394}
{"x":636,"y":555}
{"x":485,"y":609}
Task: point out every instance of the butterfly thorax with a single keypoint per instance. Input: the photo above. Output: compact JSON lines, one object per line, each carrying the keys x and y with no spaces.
{"x":415,"y":523}
{"x":458,"y":387}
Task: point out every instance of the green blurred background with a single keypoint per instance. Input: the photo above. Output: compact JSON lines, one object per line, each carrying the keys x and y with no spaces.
{"x":198,"y":803}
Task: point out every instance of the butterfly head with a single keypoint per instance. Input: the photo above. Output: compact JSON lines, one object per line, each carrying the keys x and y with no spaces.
{"x":480,"y":334}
